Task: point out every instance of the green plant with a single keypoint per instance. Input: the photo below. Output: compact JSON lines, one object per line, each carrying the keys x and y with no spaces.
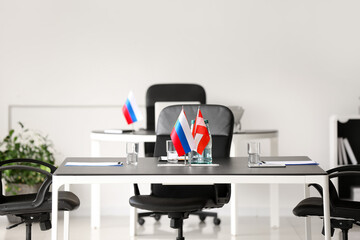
{"x":25,"y":144}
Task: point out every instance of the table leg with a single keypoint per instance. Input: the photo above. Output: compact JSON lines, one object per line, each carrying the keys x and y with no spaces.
{"x":274,"y":205}
{"x":307,"y":219}
{"x":95,"y":206}
{"x":274,"y":190}
{"x":66,"y":217}
{"x":234,"y":210}
{"x":54,"y":211}
{"x":326,"y":203}
{"x":95,"y":190}
{"x":133,"y":215}
{"x":133,"y":221}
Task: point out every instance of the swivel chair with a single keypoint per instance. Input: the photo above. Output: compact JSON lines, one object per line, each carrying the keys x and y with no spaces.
{"x":343,"y":213}
{"x":178,"y":92}
{"x":179,"y":201}
{"x":34,"y":207}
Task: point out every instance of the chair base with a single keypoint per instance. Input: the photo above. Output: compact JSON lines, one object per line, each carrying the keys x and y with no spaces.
{"x":202,"y":215}
{"x":157,"y":215}
{"x":29,"y":219}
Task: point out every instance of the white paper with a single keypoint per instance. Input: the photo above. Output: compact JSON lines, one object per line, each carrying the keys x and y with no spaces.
{"x":93,"y":164}
{"x":186,"y":165}
{"x":292,"y":162}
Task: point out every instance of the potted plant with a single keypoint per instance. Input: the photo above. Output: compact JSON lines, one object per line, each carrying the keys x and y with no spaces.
{"x":25,"y":144}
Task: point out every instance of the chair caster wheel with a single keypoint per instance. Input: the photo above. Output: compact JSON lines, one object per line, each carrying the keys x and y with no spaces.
{"x":157,"y":217}
{"x":202,"y":218}
{"x":217,"y":221}
{"x":141,"y":221}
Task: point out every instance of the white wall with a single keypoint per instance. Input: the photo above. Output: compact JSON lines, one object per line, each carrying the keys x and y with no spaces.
{"x":290,"y":64}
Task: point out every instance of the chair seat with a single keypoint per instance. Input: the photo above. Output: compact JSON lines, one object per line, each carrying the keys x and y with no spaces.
{"x":313,"y":206}
{"x":161,"y":204}
{"x":67,"y":202}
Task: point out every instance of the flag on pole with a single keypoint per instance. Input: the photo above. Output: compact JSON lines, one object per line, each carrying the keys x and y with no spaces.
{"x":181,"y":135}
{"x":131,"y":110}
{"x":200,"y":133}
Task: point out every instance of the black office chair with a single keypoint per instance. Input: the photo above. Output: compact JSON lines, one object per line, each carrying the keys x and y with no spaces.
{"x":35,"y":207}
{"x":343,"y":213}
{"x":169,"y":93}
{"x":179,"y":201}
{"x":178,"y":92}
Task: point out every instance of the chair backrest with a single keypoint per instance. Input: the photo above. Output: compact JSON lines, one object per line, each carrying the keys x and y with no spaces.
{"x":221,"y":123}
{"x":159,"y":106}
{"x":168,"y":93}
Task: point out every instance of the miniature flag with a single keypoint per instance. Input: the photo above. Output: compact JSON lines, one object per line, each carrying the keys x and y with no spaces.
{"x":130,"y":110}
{"x":200,"y":133}
{"x":181,"y":135}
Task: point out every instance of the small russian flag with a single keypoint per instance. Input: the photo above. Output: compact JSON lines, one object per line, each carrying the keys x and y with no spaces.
{"x":181,"y":135}
{"x":130,"y":109}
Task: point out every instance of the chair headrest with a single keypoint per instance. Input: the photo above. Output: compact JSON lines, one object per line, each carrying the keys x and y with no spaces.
{"x":221,"y":119}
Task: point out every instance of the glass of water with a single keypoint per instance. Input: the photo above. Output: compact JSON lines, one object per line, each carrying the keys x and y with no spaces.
{"x":132,"y":152}
{"x":254,"y":153}
{"x":172,"y":156}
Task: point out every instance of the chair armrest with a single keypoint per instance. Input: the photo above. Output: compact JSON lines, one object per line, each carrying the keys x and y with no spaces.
{"x":337,"y":172}
{"x":222,"y":193}
{"x":44,"y":188}
{"x":344,"y":174}
{"x":136,"y":189}
{"x":29,"y":160}
{"x":345,"y":168}
{"x":317,"y":187}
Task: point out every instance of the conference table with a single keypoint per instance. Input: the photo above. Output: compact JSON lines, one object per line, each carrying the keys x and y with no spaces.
{"x":233,"y":170}
{"x":238,"y":145}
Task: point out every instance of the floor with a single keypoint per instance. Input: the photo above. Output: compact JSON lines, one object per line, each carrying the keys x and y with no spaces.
{"x":252,"y":228}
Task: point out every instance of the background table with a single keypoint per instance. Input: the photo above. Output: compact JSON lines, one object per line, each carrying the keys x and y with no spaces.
{"x":231,"y":170}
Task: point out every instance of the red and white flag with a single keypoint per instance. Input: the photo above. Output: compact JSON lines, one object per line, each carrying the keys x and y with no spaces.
{"x":200,"y":133}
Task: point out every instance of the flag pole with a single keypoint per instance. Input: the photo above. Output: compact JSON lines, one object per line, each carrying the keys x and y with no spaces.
{"x":182,"y":108}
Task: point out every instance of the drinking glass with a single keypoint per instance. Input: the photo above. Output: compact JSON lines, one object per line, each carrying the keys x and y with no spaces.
{"x":172,"y":156}
{"x":132,"y":152}
{"x":254,"y":153}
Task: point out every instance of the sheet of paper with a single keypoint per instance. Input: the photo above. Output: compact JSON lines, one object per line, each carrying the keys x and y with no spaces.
{"x":164,"y":158}
{"x":187,"y":165}
{"x":94,"y":164}
{"x":292,"y":162}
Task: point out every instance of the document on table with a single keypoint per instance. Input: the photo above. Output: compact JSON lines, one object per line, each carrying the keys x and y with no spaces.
{"x":93,"y":164}
{"x":287,"y":163}
{"x":164,"y":158}
{"x":186,"y":165}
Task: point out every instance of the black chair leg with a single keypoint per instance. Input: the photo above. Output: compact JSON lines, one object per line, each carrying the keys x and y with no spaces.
{"x":180,"y":233}
{"x":28,"y":231}
{"x":345,"y":234}
{"x":176,"y":222}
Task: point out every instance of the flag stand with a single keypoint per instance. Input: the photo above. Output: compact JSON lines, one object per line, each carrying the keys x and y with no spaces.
{"x":132,"y":127}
